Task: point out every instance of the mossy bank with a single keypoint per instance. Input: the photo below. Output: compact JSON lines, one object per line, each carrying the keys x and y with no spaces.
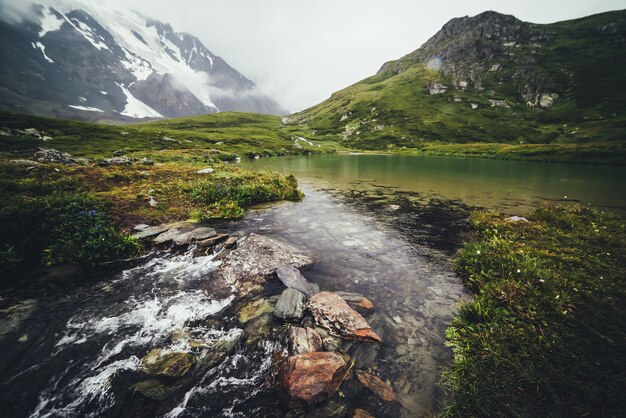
{"x":544,"y":333}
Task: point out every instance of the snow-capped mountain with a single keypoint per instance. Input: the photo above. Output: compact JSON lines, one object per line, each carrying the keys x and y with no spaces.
{"x":79,"y":59}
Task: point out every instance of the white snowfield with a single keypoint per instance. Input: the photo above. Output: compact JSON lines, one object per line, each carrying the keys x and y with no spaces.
{"x":145,"y":51}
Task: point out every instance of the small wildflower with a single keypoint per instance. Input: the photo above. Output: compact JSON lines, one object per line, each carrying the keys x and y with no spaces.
{"x":478,"y":252}
{"x":564,"y":312}
{"x":519,"y":271}
{"x":557,"y":296}
{"x":541,"y":280}
{"x":575,"y":290}
{"x":564,"y":197}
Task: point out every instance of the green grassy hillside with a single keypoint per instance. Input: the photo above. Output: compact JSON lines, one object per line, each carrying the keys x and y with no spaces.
{"x":505,"y":81}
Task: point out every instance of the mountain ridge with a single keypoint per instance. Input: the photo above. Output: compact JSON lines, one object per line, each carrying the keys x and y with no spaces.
{"x":79,"y":60}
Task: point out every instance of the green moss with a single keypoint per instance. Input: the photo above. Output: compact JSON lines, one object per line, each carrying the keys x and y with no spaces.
{"x":543,"y":335}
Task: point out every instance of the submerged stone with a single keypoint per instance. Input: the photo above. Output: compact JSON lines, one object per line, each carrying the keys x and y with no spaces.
{"x":255,"y":309}
{"x":304,"y":340}
{"x":380,"y":388}
{"x":169,"y":365}
{"x":360,"y":413}
{"x":358,"y":302}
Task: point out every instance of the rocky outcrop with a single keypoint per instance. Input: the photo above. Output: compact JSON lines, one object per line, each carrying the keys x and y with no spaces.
{"x":381,"y":389}
{"x":290,"y":305}
{"x":333,"y":314}
{"x":293,"y":279}
{"x":49,"y":155}
{"x":304,"y":340}
{"x":313,"y":377}
{"x":255,"y":260}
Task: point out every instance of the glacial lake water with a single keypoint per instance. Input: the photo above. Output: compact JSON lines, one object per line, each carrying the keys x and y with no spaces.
{"x":511,"y":186}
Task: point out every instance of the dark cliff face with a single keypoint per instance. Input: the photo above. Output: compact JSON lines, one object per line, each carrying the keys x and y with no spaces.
{"x":88,"y":67}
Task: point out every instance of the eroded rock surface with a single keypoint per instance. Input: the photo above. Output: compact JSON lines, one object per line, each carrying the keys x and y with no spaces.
{"x":338,"y":318}
{"x":304,"y":340}
{"x":255,"y":260}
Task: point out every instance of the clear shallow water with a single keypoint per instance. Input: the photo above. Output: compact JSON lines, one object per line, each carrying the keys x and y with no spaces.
{"x":511,"y":186}
{"x":74,"y":348}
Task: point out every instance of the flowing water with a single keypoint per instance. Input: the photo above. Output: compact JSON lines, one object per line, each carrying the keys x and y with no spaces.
{"x":381,"y":226}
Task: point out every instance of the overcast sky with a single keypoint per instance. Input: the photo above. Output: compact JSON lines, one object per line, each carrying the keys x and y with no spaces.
{"x":300,"y":52}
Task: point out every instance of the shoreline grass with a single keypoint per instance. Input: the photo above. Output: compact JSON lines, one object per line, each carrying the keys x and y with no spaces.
{"x":544,"y":334}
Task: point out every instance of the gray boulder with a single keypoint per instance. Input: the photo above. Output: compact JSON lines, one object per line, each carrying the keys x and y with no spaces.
{"x":290,"y":305}
{"x":49,"y":155}
{"x":293,"y":279}
{"x":115,"y":161}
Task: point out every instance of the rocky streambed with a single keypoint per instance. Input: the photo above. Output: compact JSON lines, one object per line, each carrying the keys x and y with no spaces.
{"x":291,"y":312}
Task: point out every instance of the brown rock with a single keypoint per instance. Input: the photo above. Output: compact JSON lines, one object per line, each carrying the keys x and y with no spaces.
{"x":333,"y":313}
{"x":381,"y":389}
{"x":313,"y":377}
{"x":358,"y":302}
{"x":230,"y":242}
{"x":304,"y":340}
{"x":359,"y":413}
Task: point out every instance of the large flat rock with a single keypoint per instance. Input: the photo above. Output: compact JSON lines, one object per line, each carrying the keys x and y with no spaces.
{"x":255,"y":260}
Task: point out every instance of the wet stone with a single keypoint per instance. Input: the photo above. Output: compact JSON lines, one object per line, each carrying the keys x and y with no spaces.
{"x":360,"y":413}
{"x":293,"y":279}
{"x":254,"y":310}
{"x":304,"y":340}
{"x":290,"y":305}
{"x":380,"y":388}
{"x":255,"y":259}
{"x":168,"y":365}
{"x":332,"y":313}
{"x":313,"y":377}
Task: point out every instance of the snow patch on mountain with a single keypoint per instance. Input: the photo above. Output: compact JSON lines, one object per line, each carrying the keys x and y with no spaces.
{"x":135,"y":108}
{"x":42,"y":48}
{"x":87,"y":108}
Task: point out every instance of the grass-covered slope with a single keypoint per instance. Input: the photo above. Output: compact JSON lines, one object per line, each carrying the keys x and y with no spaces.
{"x":506,"y":81}
{"x":544,"y":335}
{"x":224,"y":134}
